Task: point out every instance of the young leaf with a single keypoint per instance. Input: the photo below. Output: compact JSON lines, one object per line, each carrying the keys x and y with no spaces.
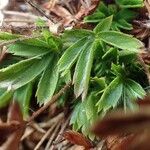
{"x":120,"y":40}
{"x":23,"y":96}
{"x":83,"y":70}
{"x":111,"y":95}
{"x":48,"y":82}
{"x":104,"y":25}
{"x":19,"y":74}
{"x":71,"y":54}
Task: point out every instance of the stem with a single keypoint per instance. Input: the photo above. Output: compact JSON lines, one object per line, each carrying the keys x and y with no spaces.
{"x":53,"y":99}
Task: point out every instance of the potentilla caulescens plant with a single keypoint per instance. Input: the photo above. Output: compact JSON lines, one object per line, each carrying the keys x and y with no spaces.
{"x":101,"y":63}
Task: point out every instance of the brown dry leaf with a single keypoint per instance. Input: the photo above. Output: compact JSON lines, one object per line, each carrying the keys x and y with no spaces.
{"x":144,"y":102}
{"x":78,"y":139}
{"x":138,"y":141}
{"x":84,"y":11}
{"x":8,"y":128}
{"x":119,"y":123}
{"x":119,"y":142}
{"x":69,"y":17}
{"x":145,"y":56}
{"x":14,"y":114}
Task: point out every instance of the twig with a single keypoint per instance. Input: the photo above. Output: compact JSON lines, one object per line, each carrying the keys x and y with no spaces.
{"x":147,"y":72}
{"x":20,"y":14}
{"x":37,"y":127}
{"x":38,"y":9}
{"x":25,"y":27}
{"x":45,"y":136}
{"x":51,"y":121}
{"x":62,"y":129}
{"x":53,"y":136}
{"x":18,"y":40}
{"x":53,"y":99}
{"x":19,"y":20}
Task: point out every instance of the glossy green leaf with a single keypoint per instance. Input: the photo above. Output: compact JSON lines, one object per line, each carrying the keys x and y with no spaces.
{"x":23,"y":96}
{"x":110,"y":54}
{"x":135,"y":88}
{"x":94,"y":18}
{"x":70,"y":55}
{"x":120,"y":40}
{"x":53,"y":42}
{"x":104,"y":25}
{"x":123,"y":24}
{"x":48,"y":82}
{"x":130,"y":3}
{"x":111,"y":95}
{"x":83,"y":70}
{"x":23,"y":72}
{"x":21,"y":49}
{"x":90,"y":107}
{"x":72,"y":36}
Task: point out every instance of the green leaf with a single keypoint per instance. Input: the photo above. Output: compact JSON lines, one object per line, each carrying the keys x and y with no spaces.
{"x":72,"y":36}
{"x":81,"y":119}
{"x":41,"y":23}
{"x":123,"y":24}
{"x":120,"y":40}
{"x":126,"y":14}
{"x":53,"y":42}
{"x":83,"y":70}
{"x":25,"y":50}
{"x":5,"y":97}
{"x":19,"y":74}
{"x":75,"y":114}
{"x":23,"y":96}
{"x":130,"y":3}
{"x":94,"y":18}
{"x":90,"y":107}
{"x":48,"y":82}
{"x":36,"y":42}
{"x":104,"y":25}
{"x":110,"y":54}
{"x":126,"y":55}
{"x":8,"y":36}
{"x":111,"y":95}
{"x":135,"y":88}
{"x":70,"y":55}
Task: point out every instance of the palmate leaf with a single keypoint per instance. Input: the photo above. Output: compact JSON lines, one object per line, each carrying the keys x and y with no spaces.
{"x":48,"y":82}
{"x":111,"y":95}
{"x":83,"y":69}
{"x":120,"y":40}
{"x":21,"y":73}
{"x":71,"y":54}
{"x":23,"y":96}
